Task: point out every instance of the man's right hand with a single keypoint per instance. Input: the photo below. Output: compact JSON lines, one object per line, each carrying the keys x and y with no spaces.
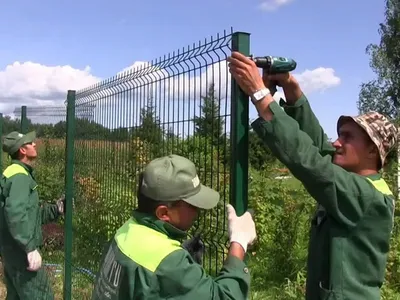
{"x":242,"y":230}
{"x":281,"y":80}
{"x":34,"y":260}
{"x":290,"y":86}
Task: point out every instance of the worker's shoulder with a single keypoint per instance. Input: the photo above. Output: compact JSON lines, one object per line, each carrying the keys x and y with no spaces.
{"x":380,"y":185}
{"x":15,"y":170}
{"x":145,"y":246}
{"x":359,"y":186}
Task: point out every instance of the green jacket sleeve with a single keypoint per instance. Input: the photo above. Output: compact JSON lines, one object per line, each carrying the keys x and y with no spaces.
{"x":301,"y":111}
{"x":16,"y":212}
{"x":345,"y":196}
{"x":49,"y":213}
{"x":182,"y":278}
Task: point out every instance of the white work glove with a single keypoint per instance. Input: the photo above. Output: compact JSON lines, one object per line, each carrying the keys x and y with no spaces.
{"x":242,"y":230}
{"x":61,"y":205}
{"x":34,"y":260}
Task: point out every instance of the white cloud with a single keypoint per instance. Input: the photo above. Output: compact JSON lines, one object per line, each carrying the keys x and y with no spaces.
{"x":316,"y":80}
{"x":272,"y":5}
{"x":30,"y":83}
{"x":135,"y":66}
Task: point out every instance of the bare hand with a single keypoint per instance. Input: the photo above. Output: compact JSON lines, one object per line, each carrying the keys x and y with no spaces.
{"x":276,"y":79}
{"x":289,"y":84}
{"x":246,"y":73}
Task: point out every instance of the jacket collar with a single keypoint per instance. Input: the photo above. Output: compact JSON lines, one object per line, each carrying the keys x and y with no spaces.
{"x":25,"y":166}
{"x":375,"y":176}
{"x":158,"y":225}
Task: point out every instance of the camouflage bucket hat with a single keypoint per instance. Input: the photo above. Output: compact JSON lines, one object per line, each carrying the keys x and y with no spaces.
{"x":381,"y":131}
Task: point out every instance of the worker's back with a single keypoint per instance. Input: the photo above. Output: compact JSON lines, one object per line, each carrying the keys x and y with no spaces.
{"x":145,"y":260}
{"x":133,"y":263}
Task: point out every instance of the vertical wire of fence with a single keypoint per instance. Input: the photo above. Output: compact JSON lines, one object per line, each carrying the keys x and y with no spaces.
{"x":49,"y":123}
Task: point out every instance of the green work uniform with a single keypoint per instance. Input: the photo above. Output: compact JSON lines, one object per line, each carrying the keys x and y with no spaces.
{"x":351,"y":229}
{"x":145,"y":261}
{"x":21,"y":219}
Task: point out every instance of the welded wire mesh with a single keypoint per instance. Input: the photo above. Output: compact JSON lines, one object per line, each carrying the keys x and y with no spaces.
{"x":178,"y":103}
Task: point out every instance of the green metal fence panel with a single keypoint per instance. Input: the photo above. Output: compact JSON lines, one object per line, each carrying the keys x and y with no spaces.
{"x":49,"y":122}
{"x":179,"y":103}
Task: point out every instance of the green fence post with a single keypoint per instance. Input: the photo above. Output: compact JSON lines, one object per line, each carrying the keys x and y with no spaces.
{"x":239,"y":133}
{"x":24,"y":120}
{"x":69,"y":192}
{"x":1,"y":143}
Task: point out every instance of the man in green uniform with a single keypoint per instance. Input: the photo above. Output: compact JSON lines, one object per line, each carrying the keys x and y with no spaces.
{"x":21,"y":219}
{"x":145,"y":259}
{"x":351,"y":229}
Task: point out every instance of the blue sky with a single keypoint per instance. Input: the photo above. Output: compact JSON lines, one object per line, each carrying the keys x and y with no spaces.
{"x":109,"y":36}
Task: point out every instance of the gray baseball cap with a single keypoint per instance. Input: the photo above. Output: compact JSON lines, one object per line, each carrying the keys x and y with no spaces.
{"x":15,"y":140}
{"x":173,"y":178}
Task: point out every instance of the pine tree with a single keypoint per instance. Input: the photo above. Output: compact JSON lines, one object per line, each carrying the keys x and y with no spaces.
{"x":150,"y":129}
{"x":210,"y":123}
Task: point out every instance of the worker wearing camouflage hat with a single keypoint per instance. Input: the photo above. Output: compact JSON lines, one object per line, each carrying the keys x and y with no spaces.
{"x":21,"y":219}
{"x":351,"y":229}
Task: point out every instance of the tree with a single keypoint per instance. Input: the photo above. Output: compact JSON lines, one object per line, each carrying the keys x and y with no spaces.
{"x":382,"y":94}
{"x":120,"y":134}
{"x":259,"y":153}
{"x":150,"y":129}
{"x":210,"y":123}
{"x":10,"y":125}
{"x":84,"y":130}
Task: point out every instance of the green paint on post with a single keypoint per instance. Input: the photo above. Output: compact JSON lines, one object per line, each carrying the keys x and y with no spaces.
{"x":24,"y":120}
{"x":69,"y":192}
{"x":239,"y":133}
{"x":1,"y":142}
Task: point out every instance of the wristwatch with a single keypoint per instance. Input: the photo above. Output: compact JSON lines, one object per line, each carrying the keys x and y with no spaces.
{"x":260,"y":94}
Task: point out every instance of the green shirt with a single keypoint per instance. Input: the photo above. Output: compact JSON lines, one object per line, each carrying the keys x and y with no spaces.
{"x":351,"y":229}
{"x":146,"y":261}
{"x":21,"y":215}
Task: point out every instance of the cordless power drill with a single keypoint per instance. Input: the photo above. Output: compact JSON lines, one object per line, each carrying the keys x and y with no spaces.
{"x":274,"y":64}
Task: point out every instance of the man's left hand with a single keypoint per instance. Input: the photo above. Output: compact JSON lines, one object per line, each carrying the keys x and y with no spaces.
{"x":246,"y":73}
{"x":61,"y":205}
{"x":195,"y":247}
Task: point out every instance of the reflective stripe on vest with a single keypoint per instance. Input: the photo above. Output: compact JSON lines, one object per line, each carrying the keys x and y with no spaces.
{"x":145,"y":246}
{"x":13,"y":170}
{"x":381,"y":186}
